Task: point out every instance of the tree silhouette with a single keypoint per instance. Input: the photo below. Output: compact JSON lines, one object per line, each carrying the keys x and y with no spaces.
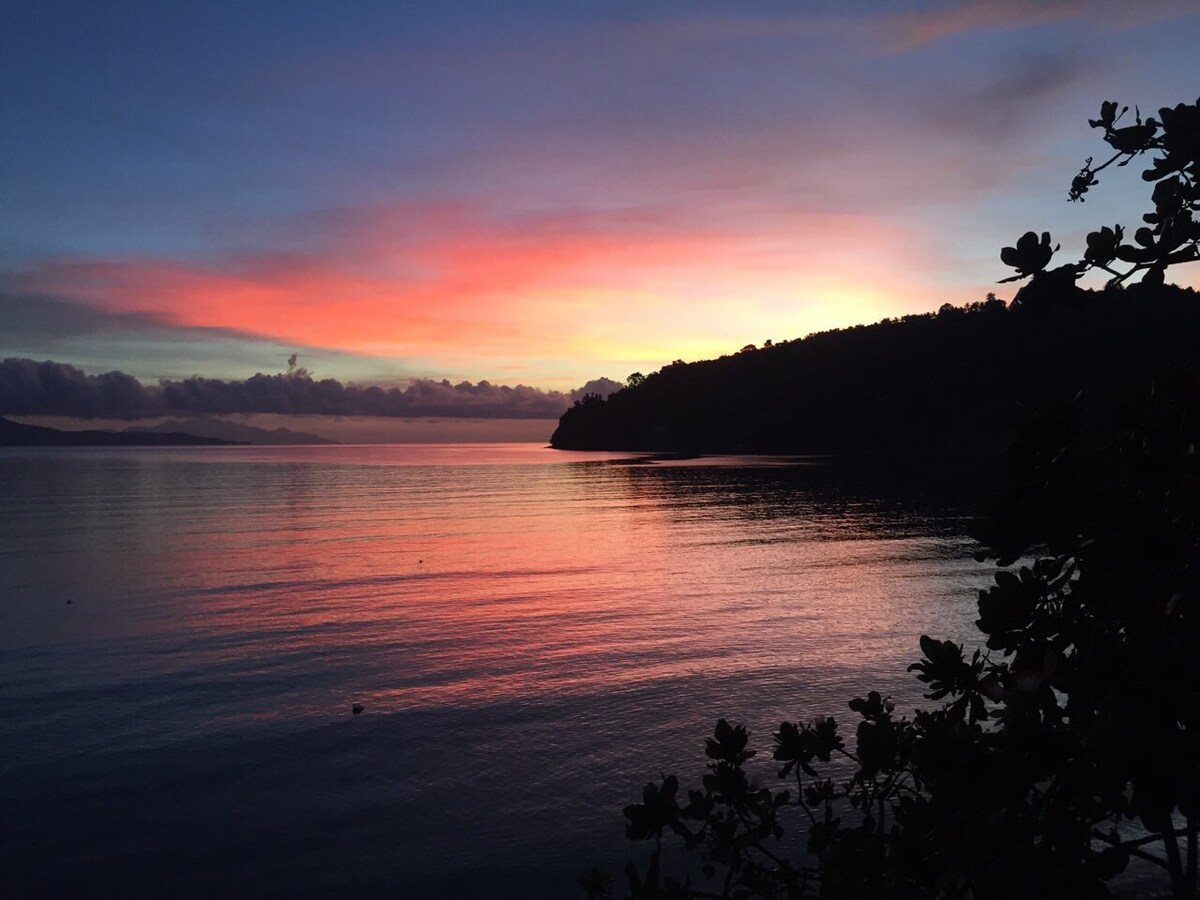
{"x":1070,"y":743}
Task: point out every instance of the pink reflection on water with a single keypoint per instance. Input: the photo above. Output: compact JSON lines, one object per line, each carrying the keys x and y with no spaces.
{"x":539,"y":580}
{"x":296,"y":581}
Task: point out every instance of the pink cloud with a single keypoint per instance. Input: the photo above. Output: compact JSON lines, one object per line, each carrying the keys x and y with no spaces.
{"x":416,"y":281}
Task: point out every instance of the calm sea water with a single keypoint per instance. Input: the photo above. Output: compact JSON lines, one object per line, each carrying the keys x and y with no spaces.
{"x":533,"y":635}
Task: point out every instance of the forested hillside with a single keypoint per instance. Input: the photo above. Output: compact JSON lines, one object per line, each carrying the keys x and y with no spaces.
{"x":952,"y":381}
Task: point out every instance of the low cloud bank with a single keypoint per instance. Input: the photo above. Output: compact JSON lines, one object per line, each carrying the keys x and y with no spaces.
{"x":31,"y":388}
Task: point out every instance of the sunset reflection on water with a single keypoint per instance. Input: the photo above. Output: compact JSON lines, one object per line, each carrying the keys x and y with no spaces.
{"x":196,"y":598}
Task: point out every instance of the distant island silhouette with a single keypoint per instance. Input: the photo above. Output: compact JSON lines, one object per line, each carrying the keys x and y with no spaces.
{"x":231,"y":432}
{"x":15,"y":434}
{"x":952,"y":381}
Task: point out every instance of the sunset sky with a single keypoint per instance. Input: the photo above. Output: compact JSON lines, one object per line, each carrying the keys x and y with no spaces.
{"x":538,"y":193}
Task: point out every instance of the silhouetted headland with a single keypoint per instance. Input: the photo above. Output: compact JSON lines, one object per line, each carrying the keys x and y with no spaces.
{"x":946,"y":383}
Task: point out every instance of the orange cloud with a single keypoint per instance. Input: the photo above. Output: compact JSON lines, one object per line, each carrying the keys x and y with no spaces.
{"x":910,"y":30}
{"x":621,"y":289}
{"x":901,"y":30}
{"x":917,"y":28}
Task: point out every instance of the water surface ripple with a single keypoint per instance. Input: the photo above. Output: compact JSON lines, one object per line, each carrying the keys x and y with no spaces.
{"x":532,"y":634}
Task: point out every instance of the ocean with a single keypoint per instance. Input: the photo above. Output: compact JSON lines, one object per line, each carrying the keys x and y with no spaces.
{"x":531,"y":635}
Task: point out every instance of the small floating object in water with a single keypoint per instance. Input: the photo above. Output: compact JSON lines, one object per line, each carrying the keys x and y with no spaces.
{"x":356,"y":708}
{"x":69,"y":602}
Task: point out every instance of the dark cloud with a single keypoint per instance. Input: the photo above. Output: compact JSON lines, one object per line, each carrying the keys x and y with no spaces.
{"x":33,"y":315}
{"x":49,"y":388}
{"x":1012,"y":100}
{"x":28,"y":387}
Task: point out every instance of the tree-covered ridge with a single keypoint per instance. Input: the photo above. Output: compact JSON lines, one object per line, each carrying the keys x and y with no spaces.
{"x":954,"y":380}
{"x":950,"y":380}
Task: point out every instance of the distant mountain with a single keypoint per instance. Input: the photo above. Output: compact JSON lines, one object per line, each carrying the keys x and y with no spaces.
{"x":203,"y":426}
{"x":955,"y":381}
{"x":14,"y":434}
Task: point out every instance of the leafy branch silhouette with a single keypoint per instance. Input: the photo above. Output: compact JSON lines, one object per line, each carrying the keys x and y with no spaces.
{"x":1171,"y":234}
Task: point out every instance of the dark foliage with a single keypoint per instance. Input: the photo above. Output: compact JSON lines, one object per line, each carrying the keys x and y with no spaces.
{"x":956,"y":380}
{"x":1070,"y":743}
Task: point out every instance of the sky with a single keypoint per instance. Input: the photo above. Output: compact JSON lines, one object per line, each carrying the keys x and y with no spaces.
{"x":538,"y":193}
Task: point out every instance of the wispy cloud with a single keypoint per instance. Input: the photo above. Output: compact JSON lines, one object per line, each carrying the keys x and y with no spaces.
{"x":909,"y":30}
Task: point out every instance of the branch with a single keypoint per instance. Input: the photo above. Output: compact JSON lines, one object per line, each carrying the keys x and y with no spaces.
{"x":1174,"y":862}
{"x":1109,"y":270}
{"x":1120,"y":279}
{"x":1115,"y":157}
{"x":801,"y":801}
{"x":1192,"y":849}
{"x":750,"y":830}
{"x":1131,"y":847}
